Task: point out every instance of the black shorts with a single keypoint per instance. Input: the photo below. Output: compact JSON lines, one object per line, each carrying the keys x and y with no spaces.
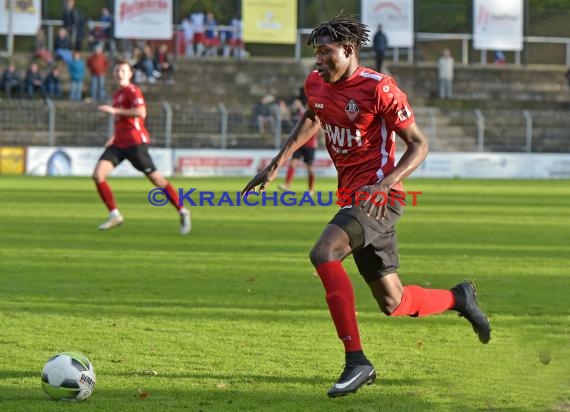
{"x":305,"y":153}
{"x":373,"y":242}
{"x":138,"y":156}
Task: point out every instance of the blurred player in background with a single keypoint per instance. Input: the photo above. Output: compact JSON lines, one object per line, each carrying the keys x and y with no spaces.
{"x":361,"y":111}
{"x":130,"y":141}
{"x":305,"y":154}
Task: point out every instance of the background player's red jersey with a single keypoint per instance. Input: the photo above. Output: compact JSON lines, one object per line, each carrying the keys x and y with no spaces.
{"x":359,"y":117}
{"x":313,"y":142}
{"x":129,"y":131}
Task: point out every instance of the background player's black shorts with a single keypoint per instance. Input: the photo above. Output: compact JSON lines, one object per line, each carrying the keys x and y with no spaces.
{"x":138,"y":156}
{"x":305,"y":153}
{"x":373,"y":242}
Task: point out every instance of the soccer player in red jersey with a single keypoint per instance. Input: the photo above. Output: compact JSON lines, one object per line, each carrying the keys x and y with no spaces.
{"x":130,"y":141}
{"x":360,"y":112}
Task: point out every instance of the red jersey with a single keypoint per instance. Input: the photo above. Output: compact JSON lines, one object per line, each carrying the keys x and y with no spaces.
{"x":129,"y":131}
{"x":359,"y":117}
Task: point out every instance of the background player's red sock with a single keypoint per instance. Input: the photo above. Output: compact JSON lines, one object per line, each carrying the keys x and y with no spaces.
{"x":311,"y":182}
{"x":340,"y":299}
{"x":173,"y":196}
{"x":106,"y":195}
{"x":289,"y":175}
{"x":417,"y":301}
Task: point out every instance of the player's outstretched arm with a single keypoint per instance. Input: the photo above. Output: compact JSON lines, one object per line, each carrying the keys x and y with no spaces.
{"x":305,"y":128}
{"x":139,"y":111}
{"x":416,"y":151}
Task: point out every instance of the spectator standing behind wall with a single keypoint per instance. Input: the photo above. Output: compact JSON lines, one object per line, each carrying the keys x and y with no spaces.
{"x":77,"y":74}
{"x":73,"y":23}
{"x":109,"y":31}
{"x":101,"y":32}
{"x":98,"y":64}
{"x":237,"y":39}
{"x":188,"y":36}
{"x":197,"y":19}
{"x":445,"y":68}
{"x":380,"y":43}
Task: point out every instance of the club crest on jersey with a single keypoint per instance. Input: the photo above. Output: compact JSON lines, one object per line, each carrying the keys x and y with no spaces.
{"x":351,"y":109}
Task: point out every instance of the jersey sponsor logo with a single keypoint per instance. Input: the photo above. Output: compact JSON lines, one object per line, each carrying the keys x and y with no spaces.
{"x":351,"y":109}
{"x":319,"y":106}
{"x":342,"y":139}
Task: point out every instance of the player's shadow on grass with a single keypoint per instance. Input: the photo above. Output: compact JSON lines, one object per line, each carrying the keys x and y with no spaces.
{"x":212,"y":397}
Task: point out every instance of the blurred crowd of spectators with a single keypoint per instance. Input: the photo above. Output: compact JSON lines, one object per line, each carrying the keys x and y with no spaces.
{"x":65,"y":66}
{"x":202,"y":36}
{"x":268,"y":110}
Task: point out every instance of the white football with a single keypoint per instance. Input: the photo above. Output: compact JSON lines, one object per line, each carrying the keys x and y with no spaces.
{"x":68,"y":376}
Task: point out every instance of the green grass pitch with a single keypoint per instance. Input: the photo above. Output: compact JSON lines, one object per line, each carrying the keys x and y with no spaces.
{"x":231,"y":318}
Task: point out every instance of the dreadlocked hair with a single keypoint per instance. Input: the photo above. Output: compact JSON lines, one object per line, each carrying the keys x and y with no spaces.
{"x":342,"y":29}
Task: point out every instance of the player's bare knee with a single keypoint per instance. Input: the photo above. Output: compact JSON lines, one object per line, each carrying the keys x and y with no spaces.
{"x":322,"y":253}
{"x":317,"y":255}
{"x":98,"y":177}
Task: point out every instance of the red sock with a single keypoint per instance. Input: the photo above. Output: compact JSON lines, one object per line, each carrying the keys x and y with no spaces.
{"x":173,"y":196}
{"x":106,"y":194}
{"x":340,"y":299}
{"x":311,"y":181}
{"x":289,"y":176}
{"x":417,"y":301}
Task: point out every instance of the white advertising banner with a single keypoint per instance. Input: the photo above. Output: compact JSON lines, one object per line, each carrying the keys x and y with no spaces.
{"x":143,"y":19}
{"x":498,"y":25}
{"x":26,"y":18}
{"x":244,"y":163}
{"x":81,"y":161}
{"x":396,"y":18}
{"x":495,"y":166}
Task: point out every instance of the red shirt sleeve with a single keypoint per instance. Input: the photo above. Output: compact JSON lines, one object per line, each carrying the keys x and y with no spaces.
{"x":394,"y":106}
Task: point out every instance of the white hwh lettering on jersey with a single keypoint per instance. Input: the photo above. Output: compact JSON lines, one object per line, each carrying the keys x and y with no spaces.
{"x":341,"y":137}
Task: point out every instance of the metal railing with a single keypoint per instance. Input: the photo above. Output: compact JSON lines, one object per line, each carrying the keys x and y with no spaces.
{"x":57,"y":123}
{"x":464,"y":38}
